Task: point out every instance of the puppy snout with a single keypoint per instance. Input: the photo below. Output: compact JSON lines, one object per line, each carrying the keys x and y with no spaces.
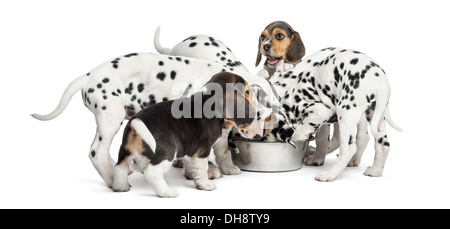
{"x":267,"y":47}
{"x":257,"y":137}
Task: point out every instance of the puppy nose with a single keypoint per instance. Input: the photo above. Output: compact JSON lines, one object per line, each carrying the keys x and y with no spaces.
{"x":267,"y":47}
{"x":257,"y":137}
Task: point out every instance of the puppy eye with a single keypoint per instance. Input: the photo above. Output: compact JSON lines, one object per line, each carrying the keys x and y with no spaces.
{"x":279,"y":36}
{"x":263,"y":37}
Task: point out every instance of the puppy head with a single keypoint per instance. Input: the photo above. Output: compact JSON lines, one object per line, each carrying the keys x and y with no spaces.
{"x":280,"y":43}
{"x":240,"y":105}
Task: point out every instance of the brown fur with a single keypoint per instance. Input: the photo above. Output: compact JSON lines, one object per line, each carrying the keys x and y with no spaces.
{"x":290,"y":48}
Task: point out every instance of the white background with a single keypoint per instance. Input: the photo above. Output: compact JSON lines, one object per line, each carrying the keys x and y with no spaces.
{"x":46,"y":44}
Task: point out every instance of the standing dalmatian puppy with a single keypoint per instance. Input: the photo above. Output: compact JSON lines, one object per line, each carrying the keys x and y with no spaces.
{"x":343,"y":86}
{"x":120,"y":87}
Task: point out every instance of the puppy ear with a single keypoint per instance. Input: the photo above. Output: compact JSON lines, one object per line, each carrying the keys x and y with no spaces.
{"x":238,"y":108}
{"x":258,"y":56}
{"x":296,"y":49}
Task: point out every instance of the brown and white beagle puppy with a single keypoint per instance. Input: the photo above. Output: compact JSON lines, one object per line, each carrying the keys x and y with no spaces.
{"x":160,"y":133}
{"x":282,"y":46}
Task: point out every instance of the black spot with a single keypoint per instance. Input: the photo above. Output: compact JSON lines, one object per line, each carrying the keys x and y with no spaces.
{"x":161,"y":76}
{"x":224,"y":53}
{"x":215,"y":44}
{"x":95,"y":106}
{"x":160,"y":63}
{"x":354,"y":61}
{"x":178,"y":58}
{"x":114,"y":93}
{"x":165,"y":99}
{"x":105,"y":80}
{"x":115,"y":63}
{"x":129,"y":89}
{"x":350,"y":140}
{"x":93,"y":153}
{"x":192,"y":44}
{"x":186,"y":61}
{"x":140,"y":87}
{"x":100,"y":138}
{"x":207,"y":44}
{"x":99,"y":85}
{"x":90,"y":90}
{"x":133,"y":98}
{"x":386,"y":144}
{"x":130,"y":55}
{"x":341,"y":66}
{"x":376,"y":74}
{"x":105,"y":97}
{"x":173,"y":74}
{"x":104,"y":91}
{"x":119,"y":91}
{"x":88,"y":73}
{"x":104,"y":108}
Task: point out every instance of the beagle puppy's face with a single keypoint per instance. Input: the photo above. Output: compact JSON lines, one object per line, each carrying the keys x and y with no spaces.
{"x":280,"y":44}
{"x":240,"y":105}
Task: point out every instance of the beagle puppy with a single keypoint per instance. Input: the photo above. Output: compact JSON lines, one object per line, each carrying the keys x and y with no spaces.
{"x":282,"y":46}
{"x":187,"y":128}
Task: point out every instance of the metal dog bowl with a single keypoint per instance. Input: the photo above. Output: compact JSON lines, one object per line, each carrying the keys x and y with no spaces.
{"x":269,"y":156}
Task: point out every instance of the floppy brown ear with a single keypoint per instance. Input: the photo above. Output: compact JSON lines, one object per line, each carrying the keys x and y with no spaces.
{"x":296,"y":49}
{"x":258,"y":56}
{"x":235,"y":101}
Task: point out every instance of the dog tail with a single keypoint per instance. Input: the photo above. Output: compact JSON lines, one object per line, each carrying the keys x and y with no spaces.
{"x":145,"y":134}
{"x":158,"y":47}
{"x":389,"y":120}
{"x":379,"y":113}
{"x":73,"y":87}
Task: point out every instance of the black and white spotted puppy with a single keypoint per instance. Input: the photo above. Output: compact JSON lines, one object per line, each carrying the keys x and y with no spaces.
{"x":120,"y":87}
{"x":201,"y":47}
{"x":343,"y":86}
{"x":155,"y":136}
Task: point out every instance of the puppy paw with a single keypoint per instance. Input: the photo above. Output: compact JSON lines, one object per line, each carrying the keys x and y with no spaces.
{"x":353,"y":163}
{"x":124,"y":187}
{"x":313,"y":161}
{"x":325,"y":176}
{"x":230,"y":170}
{"x":372,"y":171}
{"x":284,"y":67}
{"x":206,"y":185}
{"x":214,"y":171}
{"x":168,"y":193}
{"x":263,"y":73}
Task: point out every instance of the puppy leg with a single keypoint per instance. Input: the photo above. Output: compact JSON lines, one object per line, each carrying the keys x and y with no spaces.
{"x":334,"y":143}
{"x":198,"y":171}
{"x":347,"y":127}
{"x":155,"y":177}
{"x":121,"y":171}
{"x":223,"y":155}
{"x":362,"y":139}
{"x":382,"y":147}
{"x":322,"y":142}
{"x":108,"y":124}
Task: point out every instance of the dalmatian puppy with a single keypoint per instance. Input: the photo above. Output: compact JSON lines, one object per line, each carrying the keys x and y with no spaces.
{"x":201,"y":47}
{"x":343,"y":86}
{"x":122,"y":86}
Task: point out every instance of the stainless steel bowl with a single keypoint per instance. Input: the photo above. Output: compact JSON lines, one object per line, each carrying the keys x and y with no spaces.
{"x":269,"y":156}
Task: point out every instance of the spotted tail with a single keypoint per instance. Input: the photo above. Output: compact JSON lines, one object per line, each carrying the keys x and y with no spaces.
{"x":73,"y":87}
{"x":158,"y":46}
